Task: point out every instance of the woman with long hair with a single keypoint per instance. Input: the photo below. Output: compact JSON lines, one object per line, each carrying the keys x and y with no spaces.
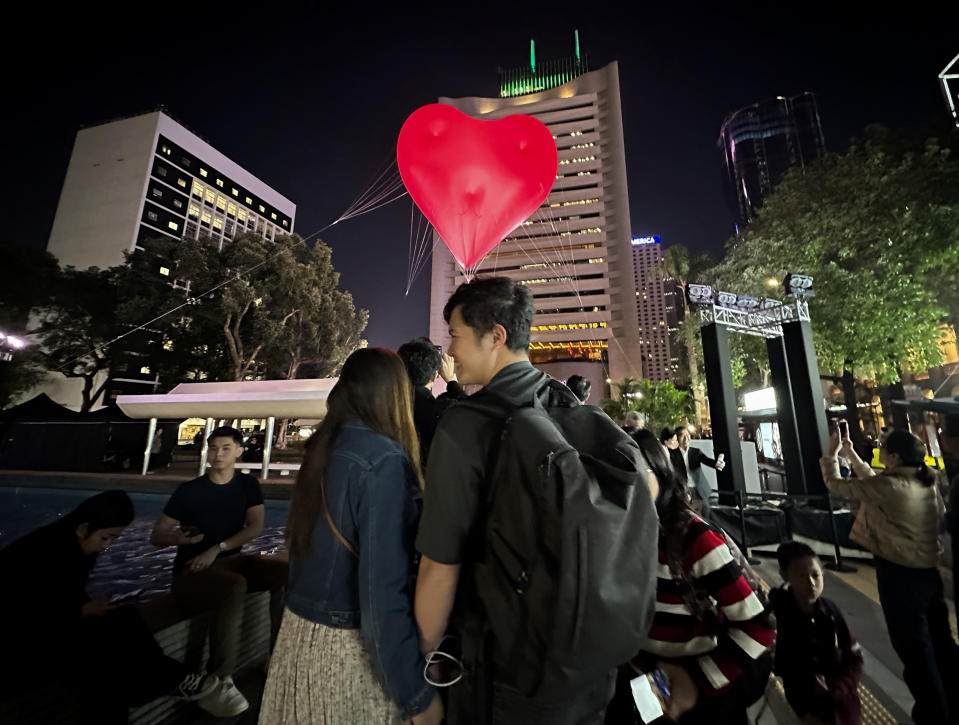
{"x":102,"y":658}
{"x":348,"y":649}
{"x":898,"y":521}
{"x":710,"y":627}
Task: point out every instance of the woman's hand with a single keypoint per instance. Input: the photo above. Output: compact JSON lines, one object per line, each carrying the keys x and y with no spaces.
{"x":433,"y":715}
{"x":682,"y":691}
{"x":834,"y":444}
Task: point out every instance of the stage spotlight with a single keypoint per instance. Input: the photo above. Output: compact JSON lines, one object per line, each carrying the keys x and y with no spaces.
{"x":699,"y":294}
{"x":737,"y":302}
{"x":798,"y":285}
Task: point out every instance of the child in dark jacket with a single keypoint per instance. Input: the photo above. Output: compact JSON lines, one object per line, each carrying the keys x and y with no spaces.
{"x":816,"y":654}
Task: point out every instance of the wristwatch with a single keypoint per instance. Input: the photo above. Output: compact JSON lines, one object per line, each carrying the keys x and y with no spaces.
{"x":222,"y":546}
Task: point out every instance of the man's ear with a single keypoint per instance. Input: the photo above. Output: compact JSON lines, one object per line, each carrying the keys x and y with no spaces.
{"x":499,"y":335}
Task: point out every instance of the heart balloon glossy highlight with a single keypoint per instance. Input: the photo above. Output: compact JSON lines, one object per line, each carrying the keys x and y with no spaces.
{"x":476,"y":181}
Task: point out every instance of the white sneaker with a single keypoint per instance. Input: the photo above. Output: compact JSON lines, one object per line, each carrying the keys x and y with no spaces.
{"x":196,"y":686}
{"x":225,"y":701}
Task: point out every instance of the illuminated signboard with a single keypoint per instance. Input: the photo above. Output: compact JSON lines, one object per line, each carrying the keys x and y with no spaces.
{"x":640,"y":241}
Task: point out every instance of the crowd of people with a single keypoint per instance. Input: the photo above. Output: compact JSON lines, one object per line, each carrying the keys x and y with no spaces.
{"x":382,"y":616}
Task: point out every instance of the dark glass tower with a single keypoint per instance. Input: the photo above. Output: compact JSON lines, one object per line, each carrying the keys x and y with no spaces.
{"x":761,"y":142}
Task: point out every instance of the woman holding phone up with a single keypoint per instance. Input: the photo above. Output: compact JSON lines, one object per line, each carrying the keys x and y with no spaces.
{"x":898,"y":521}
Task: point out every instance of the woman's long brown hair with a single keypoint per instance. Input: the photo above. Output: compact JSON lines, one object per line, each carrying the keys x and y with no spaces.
{"x":375,"y":388}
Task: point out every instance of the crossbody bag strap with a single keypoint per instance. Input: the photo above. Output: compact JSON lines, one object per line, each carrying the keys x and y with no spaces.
{"x":336,"y":531}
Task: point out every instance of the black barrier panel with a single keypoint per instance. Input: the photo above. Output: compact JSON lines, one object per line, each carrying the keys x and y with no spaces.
{"x":763,"y":526}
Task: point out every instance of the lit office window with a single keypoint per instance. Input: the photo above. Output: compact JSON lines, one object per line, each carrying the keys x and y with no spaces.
{"x":198,"y":189}
{"x":231,"y":209}
{"x":236,"y":193}
{"x":217,"y":223}
{"x":194,"y":210}
{"x":249,"y":200}
{"x":241,"y":214}
{"x":145,"y":370}
{"x":203,"y":173}
{"x":273,"y":216}
{"x":210,"y":196}
{"x":173,"y":225}
{"x":221,"y":203}
{"x":262,"y":209}
{"x":286,"y":222}
{"x":207,"y":217}
{"x":165,"y":149}
{"x":219,"y":182}
{"x":152,"y":216}
{"x":181,"y":182}
{"x":165,"y":271}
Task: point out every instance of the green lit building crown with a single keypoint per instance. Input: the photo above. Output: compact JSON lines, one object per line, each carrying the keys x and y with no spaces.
{"x":552,"y":73}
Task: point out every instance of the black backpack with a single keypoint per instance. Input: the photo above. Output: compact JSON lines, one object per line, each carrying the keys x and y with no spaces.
{"x":566,"y":576}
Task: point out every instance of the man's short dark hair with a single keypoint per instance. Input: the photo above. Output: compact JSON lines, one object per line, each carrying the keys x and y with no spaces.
{"x":490,"y":301}
{"x":580,"y":386}
{"x":666,"y":433}
{"x":678,"y":430}
{"x":225,"y":431}
{"x":789,"y":552}
{"x":422,"y":359}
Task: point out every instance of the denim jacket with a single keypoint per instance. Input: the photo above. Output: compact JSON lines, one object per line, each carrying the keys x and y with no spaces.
{"x":374,"y":501}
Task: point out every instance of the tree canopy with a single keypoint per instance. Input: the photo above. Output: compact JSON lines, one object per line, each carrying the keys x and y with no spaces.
{"x":274,"y":306}
{"x":878,"y":229}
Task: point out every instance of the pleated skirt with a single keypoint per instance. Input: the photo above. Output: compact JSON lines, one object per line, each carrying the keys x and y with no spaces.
{"x":321,"y":675}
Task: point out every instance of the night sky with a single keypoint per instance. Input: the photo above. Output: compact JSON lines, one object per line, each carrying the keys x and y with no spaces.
{"x":311,"y":100}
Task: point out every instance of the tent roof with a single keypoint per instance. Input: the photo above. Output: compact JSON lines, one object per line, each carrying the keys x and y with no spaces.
{"x":40,"y":407}
{"x":248,"y":399}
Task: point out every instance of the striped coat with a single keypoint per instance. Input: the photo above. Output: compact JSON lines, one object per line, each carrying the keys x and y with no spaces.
{"x":735,"y":631}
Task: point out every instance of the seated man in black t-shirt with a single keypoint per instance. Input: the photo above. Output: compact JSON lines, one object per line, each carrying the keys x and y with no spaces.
{"x":209,"y":519}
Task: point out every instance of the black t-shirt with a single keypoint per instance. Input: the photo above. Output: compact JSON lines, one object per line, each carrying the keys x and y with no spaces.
{"x":456,"y":474}
{"x":218,"y":510}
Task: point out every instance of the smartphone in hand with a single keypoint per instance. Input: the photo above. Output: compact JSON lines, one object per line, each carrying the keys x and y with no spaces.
{"x":843,"y":429}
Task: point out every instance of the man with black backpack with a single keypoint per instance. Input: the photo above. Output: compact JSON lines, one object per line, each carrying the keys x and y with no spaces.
{"x":538,"y":532}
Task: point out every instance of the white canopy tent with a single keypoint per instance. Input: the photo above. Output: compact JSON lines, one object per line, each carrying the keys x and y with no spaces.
{"x":269,"y":399}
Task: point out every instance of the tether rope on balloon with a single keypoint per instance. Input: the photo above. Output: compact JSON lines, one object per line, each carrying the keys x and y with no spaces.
{"x":369,"y":199}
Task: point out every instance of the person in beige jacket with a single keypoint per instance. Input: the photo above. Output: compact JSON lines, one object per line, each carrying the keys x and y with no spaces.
{"x":898,"y":521}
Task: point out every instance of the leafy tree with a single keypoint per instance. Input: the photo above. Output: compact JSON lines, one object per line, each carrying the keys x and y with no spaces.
{"x":681,"y":269}
{"x":28,"y":278}
{"x":878,"y":229}
{"x":274,"y":308}
{"x":626,"y":399}
{"x":76,"y":326}
{"x":662,"y":404}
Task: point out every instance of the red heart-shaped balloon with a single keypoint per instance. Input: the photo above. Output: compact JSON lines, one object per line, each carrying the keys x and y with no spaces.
{"x":476,"y":181}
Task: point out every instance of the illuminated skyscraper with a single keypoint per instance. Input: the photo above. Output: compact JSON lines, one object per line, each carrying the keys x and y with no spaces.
{"x":761,"y":142}
{"x":574,"y":252}
{"x":656,"y":310}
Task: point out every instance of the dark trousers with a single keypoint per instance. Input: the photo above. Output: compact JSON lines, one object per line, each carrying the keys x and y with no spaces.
{"x":92,"y":673}
{"x":918,"y":623}
{"x":472,"y":703}
{"x":221,"y":590}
